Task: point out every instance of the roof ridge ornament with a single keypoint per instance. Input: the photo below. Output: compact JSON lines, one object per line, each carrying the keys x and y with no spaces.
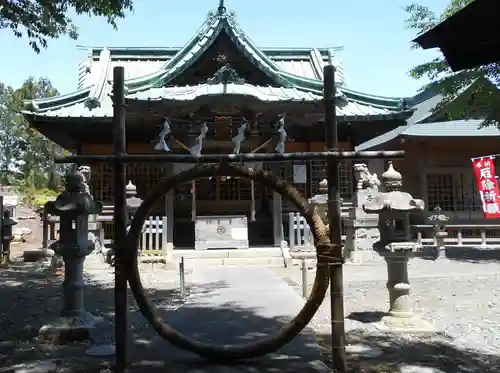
{"x":221,"y":9}
{"x":225,"y":74}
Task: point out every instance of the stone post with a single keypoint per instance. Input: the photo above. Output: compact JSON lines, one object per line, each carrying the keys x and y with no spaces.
{"x":393,"y":208}
{"x":73,"y":206}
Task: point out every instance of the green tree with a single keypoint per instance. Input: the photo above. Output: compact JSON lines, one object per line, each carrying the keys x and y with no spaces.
{"x":480,"y":83}
{"x":8,"y":141}
{"x":22,"y":147}
{"x":40,"y":20}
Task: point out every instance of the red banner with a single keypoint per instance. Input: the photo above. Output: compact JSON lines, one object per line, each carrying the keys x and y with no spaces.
{"x":487,"y":185}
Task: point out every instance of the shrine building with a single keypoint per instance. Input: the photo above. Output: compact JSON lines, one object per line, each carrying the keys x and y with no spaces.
{"x":220,"y":93}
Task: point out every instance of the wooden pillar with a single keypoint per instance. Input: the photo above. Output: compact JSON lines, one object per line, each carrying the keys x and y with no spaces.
{"x":277,"y":212}
{"x":169,"y":215}
{"x":308,"y":190}
{"x":423,"y":180}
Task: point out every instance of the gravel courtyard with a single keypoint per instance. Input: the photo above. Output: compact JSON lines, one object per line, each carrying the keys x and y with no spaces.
{"x":462,"y":299}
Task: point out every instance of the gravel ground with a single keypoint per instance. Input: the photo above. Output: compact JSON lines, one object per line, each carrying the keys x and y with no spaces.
{"x":461,"y":299}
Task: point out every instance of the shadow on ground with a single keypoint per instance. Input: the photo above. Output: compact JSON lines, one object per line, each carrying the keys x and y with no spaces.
{"x":30,"y":299}
{"x":463,"y":254}
{"x":410,"y":356}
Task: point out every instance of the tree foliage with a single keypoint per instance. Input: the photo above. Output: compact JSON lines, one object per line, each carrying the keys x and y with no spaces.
{"x":25,"y":154}
{"x":480,"y":83}
{"x":40,"y":20}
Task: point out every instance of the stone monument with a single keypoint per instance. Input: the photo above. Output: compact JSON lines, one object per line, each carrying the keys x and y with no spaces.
{"x":393,"y":208}
{"x":73,"y":207}
{"x":362,"y":228}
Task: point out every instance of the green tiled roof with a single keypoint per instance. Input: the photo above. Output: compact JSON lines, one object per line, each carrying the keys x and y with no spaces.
{"x":298,"y":71}
{"x":188,"y":93}
{"x":452,"y":128}
{"x":82,"y":108}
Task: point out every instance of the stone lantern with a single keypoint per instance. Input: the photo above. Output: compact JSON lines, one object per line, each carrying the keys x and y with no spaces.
{"x":133,"y":202}
{"x":73,"y":207}
{"x":439,"y":220}
{"x":321,"y":200}
{"x":393,"y":208}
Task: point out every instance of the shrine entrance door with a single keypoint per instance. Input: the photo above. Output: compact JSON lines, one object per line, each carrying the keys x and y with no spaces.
{"x":221,"y":196}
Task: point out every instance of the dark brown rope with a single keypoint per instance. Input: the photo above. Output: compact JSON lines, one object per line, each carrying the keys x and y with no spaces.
{"x":226,"y":353}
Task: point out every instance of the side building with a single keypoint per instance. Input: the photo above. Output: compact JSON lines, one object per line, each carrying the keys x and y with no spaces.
{"x":437,"y":166}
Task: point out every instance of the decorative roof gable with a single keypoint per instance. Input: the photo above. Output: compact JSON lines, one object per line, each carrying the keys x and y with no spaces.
{"x":299,"y":70}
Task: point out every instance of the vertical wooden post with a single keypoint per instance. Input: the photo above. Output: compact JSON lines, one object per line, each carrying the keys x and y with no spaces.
{"x":45,"y":228}
{"x":334,"y":220}
{"x":1,"y":228}
{"x":120,"y":218}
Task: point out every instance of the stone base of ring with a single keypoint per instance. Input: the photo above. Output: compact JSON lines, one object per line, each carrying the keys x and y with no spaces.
{"x":68,"y":329}
{"x":407,"y":323}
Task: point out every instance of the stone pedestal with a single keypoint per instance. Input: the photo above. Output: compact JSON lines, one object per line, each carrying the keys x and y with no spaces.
{"x":400,"y":315}
{"x":35,"y":255}
{"x":440,"y":244}
{"x":361,"y":234}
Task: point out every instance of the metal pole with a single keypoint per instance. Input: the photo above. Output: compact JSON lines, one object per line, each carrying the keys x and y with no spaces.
{"x":182,"y":279}
{"x":120,"y":218}
{"x":305,"y":290}
{"x":334,"y":220}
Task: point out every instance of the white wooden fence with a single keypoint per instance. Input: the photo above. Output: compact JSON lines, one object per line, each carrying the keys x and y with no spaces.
{"x":152,"y":241}
{"x":300,"y":236}
{"x":465,"y":235}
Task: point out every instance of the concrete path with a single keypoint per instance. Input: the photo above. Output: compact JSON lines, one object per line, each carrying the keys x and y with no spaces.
{"x":236,"y":305}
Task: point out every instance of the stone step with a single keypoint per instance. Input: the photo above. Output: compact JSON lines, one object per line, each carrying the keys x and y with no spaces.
{"x":263,"y":261}
{"x":267,"y":252}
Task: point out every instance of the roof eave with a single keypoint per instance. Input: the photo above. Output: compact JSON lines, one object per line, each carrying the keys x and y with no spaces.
{"x":43,"y":104}
{"x":476,"y":44}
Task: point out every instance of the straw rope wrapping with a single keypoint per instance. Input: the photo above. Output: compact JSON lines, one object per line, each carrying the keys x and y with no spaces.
{"x":226,"y":353}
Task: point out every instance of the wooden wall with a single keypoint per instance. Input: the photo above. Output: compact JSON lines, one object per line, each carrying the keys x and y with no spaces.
{"x":424,"y":154}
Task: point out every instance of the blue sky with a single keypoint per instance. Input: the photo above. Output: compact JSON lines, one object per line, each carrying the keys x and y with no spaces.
{"x":376,"y":55}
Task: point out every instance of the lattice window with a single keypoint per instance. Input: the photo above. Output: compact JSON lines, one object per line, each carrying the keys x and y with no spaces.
{"x":206,"y":189}
{"x":286,"y":173}
{"x":466,"y":193}
{"x":143,"y":176}
{"x":318,"y":171}
{"x":101,"y":182}
{"x":234,"y":189}
{"x":440,"y":192}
